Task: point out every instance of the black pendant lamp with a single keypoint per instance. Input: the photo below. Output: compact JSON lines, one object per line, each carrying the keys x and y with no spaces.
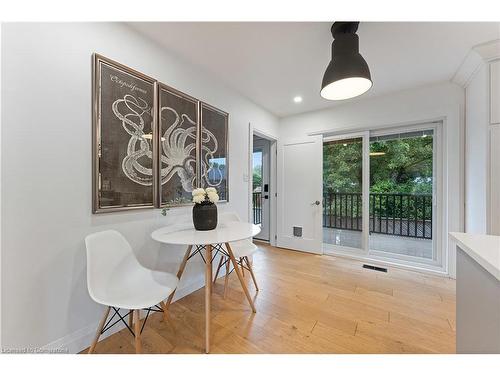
{"x":348,"y":74}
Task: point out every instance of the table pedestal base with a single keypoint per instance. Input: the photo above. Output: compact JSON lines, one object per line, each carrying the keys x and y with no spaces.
{"x":208,"y":281}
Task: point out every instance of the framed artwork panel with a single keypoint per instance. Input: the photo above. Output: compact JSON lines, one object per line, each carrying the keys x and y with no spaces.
{"x":124,"y":133}
{"x":178,"y":143}
{"x":214,"y":162}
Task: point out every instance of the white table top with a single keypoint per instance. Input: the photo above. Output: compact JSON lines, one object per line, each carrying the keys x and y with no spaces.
{"x":225,"y":232}
{"x":484,"y":249}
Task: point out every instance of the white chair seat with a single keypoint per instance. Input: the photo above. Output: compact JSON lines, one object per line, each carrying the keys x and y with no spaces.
{"x":116,"y":278}
{"x":138,"y":289}
{"x":243,"y":248}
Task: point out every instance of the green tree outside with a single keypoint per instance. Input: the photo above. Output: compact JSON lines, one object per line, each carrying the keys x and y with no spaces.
{"x":396,"y":166}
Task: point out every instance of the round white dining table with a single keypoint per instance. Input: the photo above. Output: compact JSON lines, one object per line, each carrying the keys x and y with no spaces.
{"x":224,"y":234}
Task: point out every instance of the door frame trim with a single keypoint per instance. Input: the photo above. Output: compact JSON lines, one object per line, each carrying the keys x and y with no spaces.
{"x":273,"y":179}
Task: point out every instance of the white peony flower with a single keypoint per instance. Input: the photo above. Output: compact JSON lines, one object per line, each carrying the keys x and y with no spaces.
{"x":198,"y":198}
{"x":199,"y":191}
{"x":211,"y":190}
{"x":213,"y":197}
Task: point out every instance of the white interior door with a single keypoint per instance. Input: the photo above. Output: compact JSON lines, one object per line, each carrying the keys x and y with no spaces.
{"x":300,"y":191}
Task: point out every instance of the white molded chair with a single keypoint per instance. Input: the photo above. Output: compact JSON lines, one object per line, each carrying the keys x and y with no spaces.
{"x":116,"y":279}
{"x":241,"y":250}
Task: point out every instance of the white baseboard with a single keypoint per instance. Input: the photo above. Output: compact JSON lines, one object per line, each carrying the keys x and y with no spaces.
{"x":77,"y":341}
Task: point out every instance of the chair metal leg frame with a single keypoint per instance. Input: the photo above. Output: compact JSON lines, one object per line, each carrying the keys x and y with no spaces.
{"x":244,"y":263}
{"x":198,"y":250}
{"x":106,"y":325}
{"x":216,"y":249}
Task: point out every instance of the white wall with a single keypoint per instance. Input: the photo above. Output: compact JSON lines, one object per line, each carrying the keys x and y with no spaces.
{"x":476,"y":149}
{"x":445,"y":100}
{"x":46,"y":173}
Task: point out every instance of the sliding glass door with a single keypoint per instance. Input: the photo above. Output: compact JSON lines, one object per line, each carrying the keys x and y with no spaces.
{"x":402,"y":185}
{"x":380,"y":194}
{"x":343,"y":192}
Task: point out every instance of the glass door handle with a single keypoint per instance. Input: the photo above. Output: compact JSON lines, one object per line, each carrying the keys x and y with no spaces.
{"x":317,"y":203}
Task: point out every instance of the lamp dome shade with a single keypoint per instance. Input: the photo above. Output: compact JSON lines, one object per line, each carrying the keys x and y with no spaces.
{"x":347,"y":74}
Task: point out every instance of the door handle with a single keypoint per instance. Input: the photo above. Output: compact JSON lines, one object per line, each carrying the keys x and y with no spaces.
{"x":317,"y":203}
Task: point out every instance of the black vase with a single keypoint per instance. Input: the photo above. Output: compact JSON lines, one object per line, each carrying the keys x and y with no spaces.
{"x":205,"y":216}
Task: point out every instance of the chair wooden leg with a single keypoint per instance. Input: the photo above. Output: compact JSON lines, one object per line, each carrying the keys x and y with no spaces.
{"x":226,"y":278}
{"x":166,"y":316}
{"x":179,"y":274}
{"x":250,"y":269}
{"x":99,"y":329}
{"x":242,"y":268}
{"x":242,"y":282}
{"x":218,"y":268}
{"x":131,"y":318}
{"x":137,"y":332}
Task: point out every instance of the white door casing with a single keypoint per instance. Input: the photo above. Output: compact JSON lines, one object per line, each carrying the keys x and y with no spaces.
{"x":300,"y":192}
{"x":263,"y":145}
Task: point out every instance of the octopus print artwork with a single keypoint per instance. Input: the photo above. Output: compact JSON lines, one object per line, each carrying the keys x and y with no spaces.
{"x":178,"y":129}
{"x":213,"y":143}
{"x":152,"y":144}
{"x":124,"y":124}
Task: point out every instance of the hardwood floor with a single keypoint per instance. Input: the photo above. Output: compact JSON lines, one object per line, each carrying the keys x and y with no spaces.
{"x":309,"y":304}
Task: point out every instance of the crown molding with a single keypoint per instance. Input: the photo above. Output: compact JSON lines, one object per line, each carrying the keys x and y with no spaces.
{"x":488,"y":51}
{"x":478,"y":56}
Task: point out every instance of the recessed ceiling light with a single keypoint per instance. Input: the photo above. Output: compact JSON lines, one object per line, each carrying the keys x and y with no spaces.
{"x":297,"y":99}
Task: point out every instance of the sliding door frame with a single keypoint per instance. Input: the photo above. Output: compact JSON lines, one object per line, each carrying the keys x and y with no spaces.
{"x":438,"y":262}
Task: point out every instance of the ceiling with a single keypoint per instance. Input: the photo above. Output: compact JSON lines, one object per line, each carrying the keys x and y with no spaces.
{"x":271,"y":63}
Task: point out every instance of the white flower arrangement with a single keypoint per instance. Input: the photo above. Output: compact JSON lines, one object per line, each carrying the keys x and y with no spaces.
{"x":201,"y":195}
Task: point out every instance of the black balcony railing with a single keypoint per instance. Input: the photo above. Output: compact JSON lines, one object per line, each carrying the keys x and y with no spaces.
{"x":257,"y":207}
{"x":407,"y":215}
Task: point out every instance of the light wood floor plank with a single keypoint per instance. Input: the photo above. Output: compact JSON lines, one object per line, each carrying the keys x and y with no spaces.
{"x":308,"y":304}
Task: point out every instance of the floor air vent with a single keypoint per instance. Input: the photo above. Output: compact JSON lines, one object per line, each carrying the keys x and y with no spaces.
{"x":375,"y":268}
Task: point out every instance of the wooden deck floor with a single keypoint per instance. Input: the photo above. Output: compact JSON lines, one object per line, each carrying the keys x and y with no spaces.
{"x":309,"y":304}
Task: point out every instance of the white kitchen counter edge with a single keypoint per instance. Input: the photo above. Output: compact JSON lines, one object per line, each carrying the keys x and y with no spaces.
{"x":484,"y":249}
